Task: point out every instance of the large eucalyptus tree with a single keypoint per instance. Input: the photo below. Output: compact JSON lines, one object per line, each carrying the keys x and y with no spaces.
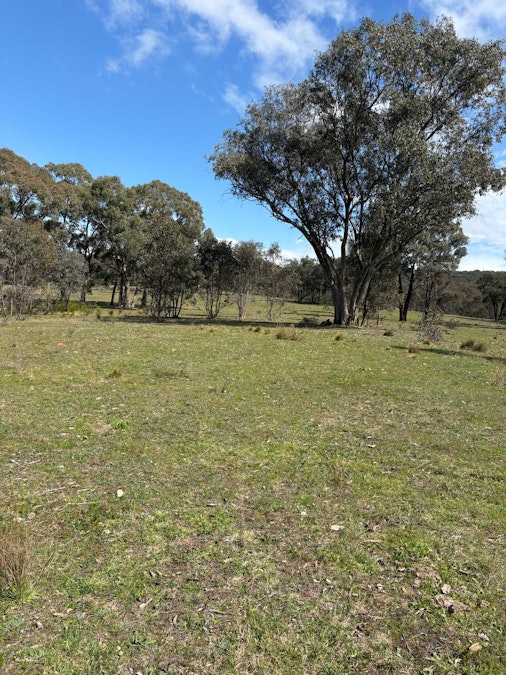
{"x":389,"y":137}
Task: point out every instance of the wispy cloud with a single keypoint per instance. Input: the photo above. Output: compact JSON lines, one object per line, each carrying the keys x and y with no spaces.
{"x":138,"y":49}
{"x":483,"y":258}
{"x":117,"y":13}
{"x":483,"y":19}
{"x":282,"y":43}
{"x":236,"y":99}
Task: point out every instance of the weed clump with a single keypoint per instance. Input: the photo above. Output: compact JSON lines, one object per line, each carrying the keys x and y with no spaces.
{"x":14,"y":561}
{"x":430,"y":328}
{"x":338,"y":337}
{"x":289,"y":334}
{"x":473,"y":346}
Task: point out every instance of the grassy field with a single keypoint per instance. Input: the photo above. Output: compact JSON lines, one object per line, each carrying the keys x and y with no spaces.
{"x":207,"y":498}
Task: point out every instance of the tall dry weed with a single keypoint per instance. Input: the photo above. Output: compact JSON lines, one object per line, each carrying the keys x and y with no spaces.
{"x":14,"y":560}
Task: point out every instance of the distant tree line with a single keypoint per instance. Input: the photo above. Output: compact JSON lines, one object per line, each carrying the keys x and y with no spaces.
{"x":63,"y":232}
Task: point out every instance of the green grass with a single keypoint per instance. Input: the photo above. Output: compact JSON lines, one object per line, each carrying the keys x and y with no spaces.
{"x":285,"y":506}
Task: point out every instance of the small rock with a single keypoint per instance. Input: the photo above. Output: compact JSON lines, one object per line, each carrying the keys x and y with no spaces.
{"x":458,"y":607}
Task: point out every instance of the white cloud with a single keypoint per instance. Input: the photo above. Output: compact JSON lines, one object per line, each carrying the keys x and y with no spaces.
{"x":283,"y":42}
{"x":235,"y":99}
{"x":484,"y":259}
{"x":116,"y":13}
{"x":148,"y":44}
{"x":336,"y":9}
{"x":483,"y":19}
{"x":487,"y":234}
{"x":490,"y":222}
{"x":282,"y":47}
{"x":125,"y":11}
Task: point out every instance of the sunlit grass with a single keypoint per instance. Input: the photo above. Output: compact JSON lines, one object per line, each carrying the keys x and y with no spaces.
{"x":204,"y":497}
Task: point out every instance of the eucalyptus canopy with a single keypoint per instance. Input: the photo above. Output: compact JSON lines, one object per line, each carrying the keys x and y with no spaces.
{"x":390,"y":138}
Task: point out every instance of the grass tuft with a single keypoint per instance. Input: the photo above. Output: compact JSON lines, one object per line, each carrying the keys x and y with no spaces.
{"x":473,"y":346}
{"x":14,"y":560}
{"x":468,"y":344}
{"x":289,"y":334}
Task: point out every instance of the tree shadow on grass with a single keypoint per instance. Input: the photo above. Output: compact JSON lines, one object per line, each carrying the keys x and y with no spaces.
{"x":457,"y":352}
{"x":486,"y":324}
{"x":204,"y":321}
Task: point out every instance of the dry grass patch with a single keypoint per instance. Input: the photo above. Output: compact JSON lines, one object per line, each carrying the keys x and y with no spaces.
{"x":473,"y":346}
{"x":14,"y":560}
{"x":289,"y":334}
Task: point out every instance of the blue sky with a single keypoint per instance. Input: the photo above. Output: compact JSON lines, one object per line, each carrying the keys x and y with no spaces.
{"x":143,"y":89}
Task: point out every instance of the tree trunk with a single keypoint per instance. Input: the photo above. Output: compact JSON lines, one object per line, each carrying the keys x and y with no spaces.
{"x":405,"y":300}
{"x":339,"y":302}
{"x":358,"y":296}
{"x":125,"y":293}
{"x":113,"y":294}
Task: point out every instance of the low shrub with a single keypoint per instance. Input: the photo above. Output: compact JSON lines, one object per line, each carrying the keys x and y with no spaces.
{"x":309,"y":322}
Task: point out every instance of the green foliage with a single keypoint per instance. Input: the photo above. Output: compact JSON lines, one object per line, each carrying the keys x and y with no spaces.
{"x":172,"y":224}
{"x":405,"y":113}
{"x":493,"y":287}
{"x":216,"y":267}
